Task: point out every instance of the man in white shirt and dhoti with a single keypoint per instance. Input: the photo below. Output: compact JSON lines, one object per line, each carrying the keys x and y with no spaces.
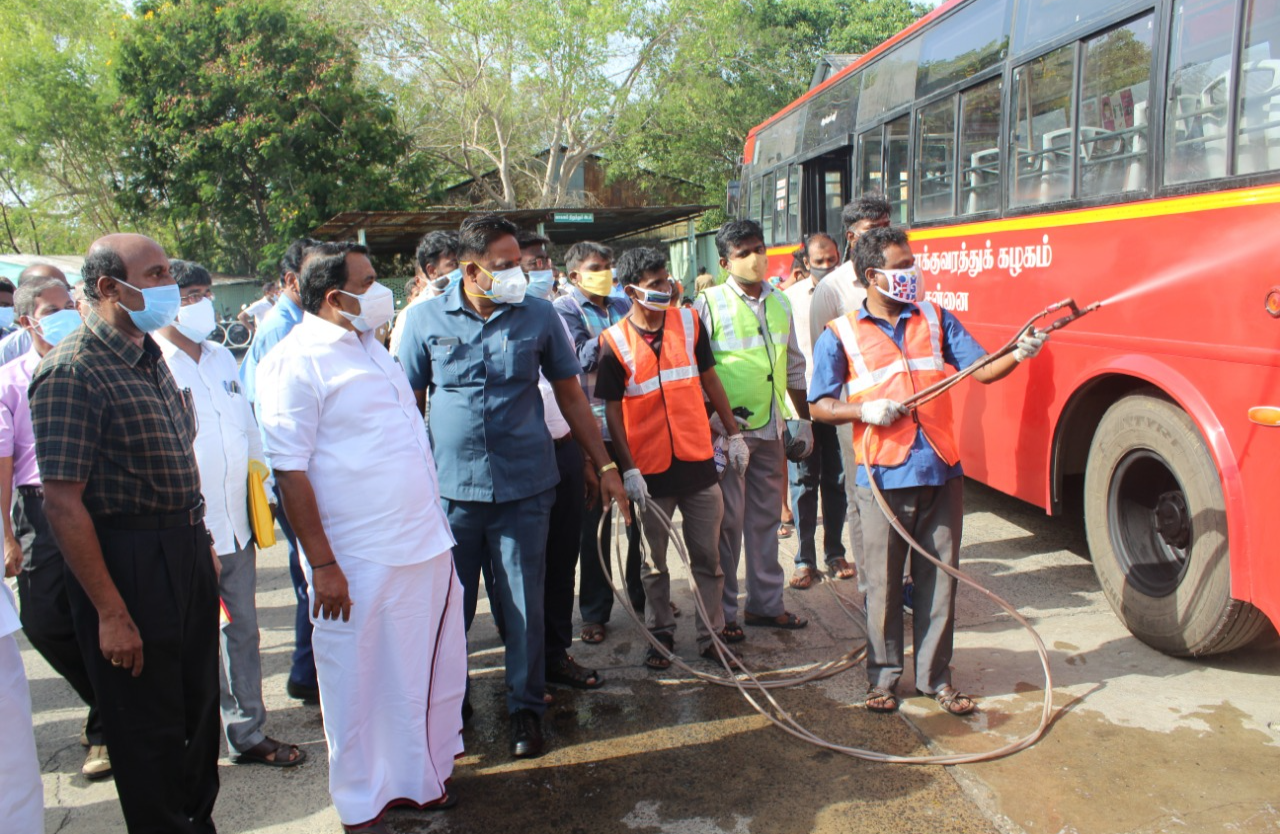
{"x":358,"y":481}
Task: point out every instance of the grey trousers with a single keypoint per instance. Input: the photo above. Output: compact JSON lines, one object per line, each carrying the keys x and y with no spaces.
{"x":934,"y":516}
{"x":701,"y":513}
{"x":752,"y":512}
{"x":845,"y":435}
{"x":240,"y":675}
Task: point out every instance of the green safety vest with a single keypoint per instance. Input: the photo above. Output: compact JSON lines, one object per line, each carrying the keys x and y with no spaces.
{"x":752,"y":365}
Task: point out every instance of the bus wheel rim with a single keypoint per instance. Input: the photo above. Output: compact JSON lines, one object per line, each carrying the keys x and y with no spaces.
{"x":1150,"y":523}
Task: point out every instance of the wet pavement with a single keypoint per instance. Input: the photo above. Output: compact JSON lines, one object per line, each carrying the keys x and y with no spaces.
{"x":1140,"y":742}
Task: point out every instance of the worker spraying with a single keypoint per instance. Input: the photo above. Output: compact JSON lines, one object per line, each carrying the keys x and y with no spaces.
{"x":866,"y":364}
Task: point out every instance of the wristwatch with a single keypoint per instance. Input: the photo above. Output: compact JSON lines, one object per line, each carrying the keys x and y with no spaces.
{"x":610,"y":465}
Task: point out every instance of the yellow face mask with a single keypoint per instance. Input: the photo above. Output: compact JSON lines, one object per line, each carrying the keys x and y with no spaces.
{"x":750,"y":269}
{"x":596,"y":283}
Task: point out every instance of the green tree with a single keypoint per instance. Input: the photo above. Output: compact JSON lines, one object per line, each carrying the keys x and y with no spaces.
{"x":248,"y":127}
{"x":61,"y":145}
{"x":763,"y":59}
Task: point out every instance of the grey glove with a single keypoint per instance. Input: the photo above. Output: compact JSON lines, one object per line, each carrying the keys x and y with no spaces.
{"x":881,"y":412}
{"x":738,"y":453}
{"x":1029,"y":344}
{"x":800,"y":444}
{"x":637,"y":489}
{"x":717,"y":427}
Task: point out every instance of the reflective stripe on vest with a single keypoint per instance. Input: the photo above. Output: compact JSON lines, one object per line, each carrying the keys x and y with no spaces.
{"x":752,"y":365}
{"x":662,"y":406}
{"x":878,"y":368}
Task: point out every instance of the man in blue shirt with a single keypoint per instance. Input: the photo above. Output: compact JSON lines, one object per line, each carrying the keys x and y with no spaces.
{"x":865,"y":363}
{"x":283,"y":317}
{"x":476,"y":352}
{"x":589,"y":309}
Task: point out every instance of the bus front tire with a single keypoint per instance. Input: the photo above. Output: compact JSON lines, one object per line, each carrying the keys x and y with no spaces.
{"x":1157,"y":530}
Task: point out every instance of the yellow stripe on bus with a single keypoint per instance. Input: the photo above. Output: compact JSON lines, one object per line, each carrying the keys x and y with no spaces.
{"x":782,"y":250}
{"x":1129,"y":211}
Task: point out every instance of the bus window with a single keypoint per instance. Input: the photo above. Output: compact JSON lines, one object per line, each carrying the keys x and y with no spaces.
{"x":1195,"y":127}
{"x":935,"y":160}
{"x":833,"y":201}
{"x":890,"y":82}
{"x":979,"y":148}
{"x":793,"y":205}
{"x":1258,"y":118}
{"x":758,"y":197}
{"x":1042,"y":140}
{"x":897,"y":167}
{"x":1041,"y":21}
{"x":1115,"y":85}
{"x":870,"y":151}
{"x":966,"y":43}
{"x":776,"y":231}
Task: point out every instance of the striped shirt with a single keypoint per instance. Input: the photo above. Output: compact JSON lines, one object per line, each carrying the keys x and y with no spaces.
{"x":108,"y":414}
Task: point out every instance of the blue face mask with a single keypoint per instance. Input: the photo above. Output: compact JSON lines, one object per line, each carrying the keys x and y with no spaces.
{"x":6,"y":318}
{"x":160,"y":306}
{"x":57,"y":326}
{"x":541,"y":282}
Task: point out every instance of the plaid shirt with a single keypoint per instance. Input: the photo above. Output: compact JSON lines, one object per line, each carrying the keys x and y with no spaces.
{"x":107,"y":413}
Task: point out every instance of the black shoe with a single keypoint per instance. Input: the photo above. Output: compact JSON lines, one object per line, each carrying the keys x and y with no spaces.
{"x":526,"y":734}
{"x":305,"y":694}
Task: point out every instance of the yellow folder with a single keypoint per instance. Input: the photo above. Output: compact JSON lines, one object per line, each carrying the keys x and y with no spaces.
{"x":264,"y":524}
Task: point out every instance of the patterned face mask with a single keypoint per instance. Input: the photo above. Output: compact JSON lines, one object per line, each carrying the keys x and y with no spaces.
{"x":904,"y":284}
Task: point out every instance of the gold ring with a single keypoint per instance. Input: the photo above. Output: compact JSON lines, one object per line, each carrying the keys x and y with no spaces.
{"x":117,"y":662}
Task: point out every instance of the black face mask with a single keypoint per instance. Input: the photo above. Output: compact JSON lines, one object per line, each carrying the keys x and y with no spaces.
{"x":820,"y":272}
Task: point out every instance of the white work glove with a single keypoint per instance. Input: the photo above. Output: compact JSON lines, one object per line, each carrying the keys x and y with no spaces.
{"x":804,"y":437}
{"x":717,"y":427}
{"x":738,"y":453}
{"x":1030,"y":343}
{"x":881,"y":412}
{"x":637,"y":489}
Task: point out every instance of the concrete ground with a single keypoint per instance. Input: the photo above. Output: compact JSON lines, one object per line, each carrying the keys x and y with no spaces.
{"x":1140,"y":742}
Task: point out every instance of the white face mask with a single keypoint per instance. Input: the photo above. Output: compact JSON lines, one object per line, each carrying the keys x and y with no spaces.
{"x":197,"y":321}
{"x":377,"y":306}
{"x":508,"y":285}
{"x":541,"y":282}
{"x":904,"y":284}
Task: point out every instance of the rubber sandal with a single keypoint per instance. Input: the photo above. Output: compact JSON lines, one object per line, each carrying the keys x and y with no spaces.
{"x":785,"y":620}
{"x":569,"y":672}
{"x":656,"y":660}
{"x":804,"y":578}
{"x":592,"y":633}
{"x":841,"y":569}
{"x":732,"y":633}
{"x":888,"y":701}
{"x":257,"y":754}
{"x":952,"y":700}
{"x":786,"y":530}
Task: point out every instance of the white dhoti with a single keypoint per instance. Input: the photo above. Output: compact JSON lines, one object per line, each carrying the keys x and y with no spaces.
{"x":21,"y":791}
{"x":392,"y":680}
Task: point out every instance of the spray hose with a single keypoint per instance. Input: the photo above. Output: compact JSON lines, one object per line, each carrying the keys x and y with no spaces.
{"x":740,"y":675}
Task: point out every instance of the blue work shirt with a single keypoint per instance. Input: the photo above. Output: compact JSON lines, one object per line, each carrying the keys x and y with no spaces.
{"x":922,"y":467}
{"x":276,"y":324}
{"x":481,"y":376}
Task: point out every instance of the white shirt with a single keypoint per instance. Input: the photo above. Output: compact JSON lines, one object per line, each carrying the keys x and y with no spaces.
{"x":551,"y":415}
{"x":800,"y":294}
{"x":335,"y":405}
{"x":839,"y":294}
{"x":259,"y":310}
{"x":226,"y":438}
{"x":397,"y":329}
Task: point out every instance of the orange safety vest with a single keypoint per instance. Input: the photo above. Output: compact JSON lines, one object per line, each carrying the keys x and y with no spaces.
{"x":879,"y":370}
{"x":662,"y":407}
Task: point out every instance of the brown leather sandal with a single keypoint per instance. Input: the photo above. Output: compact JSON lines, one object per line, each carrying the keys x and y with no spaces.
{"x":881,"y":700}
{"x":804,"y":578}
{"x":953,"y":700}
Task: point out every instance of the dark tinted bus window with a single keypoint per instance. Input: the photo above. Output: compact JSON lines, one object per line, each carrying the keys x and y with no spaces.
{"x":979,"y":148}
{"x":870,"y":151}
{"x":757,"y":198}
{"x":897,"y":167}
{"x":1258,"y":119}
{"x":1041,"y":21}
{"x":935,"y":160}
{"x":831,"y":114}
{"x":890,"y":82}
{"x":972,"y":39}
{"x":793,"y":205}
{"x":1041,"y":145}
{"x":1196,"y":112}
{"x":1114,"y":93}
{"x":778,"y":141}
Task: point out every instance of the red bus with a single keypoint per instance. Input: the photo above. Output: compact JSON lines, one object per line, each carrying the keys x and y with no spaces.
{"x":1043,"y":149}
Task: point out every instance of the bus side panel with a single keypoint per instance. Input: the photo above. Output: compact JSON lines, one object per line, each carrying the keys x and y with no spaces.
{"x":1198,"y":331}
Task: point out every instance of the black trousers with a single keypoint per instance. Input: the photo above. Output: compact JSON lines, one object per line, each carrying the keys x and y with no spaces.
{"x":46,"y":610}
{"x":563,"y":539}
{"x":162,"y":727}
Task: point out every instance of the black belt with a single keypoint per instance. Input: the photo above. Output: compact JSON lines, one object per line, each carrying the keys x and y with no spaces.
{"x":31,"y":490}
{"x":560,"y":441}
{"x":158,"y":521}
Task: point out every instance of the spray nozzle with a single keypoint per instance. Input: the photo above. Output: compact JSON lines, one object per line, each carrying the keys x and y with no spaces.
{"x":1068,"y":304}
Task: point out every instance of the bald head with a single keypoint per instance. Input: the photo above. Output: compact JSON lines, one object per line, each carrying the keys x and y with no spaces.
{"x":42,"y":271}
{"x":135,"y":259}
